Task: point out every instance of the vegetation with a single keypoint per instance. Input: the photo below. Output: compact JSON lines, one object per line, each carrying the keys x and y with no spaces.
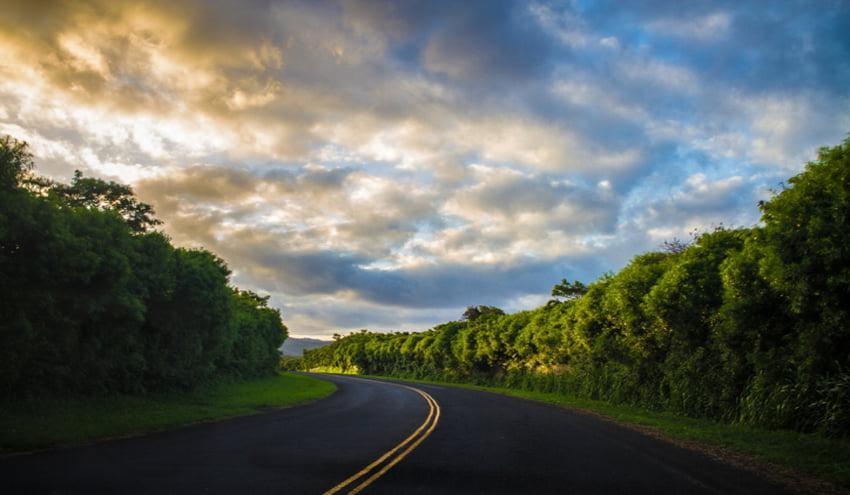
{"x":45,"y":422}
{"x":95,"y":302}
{"x":743,"y":325}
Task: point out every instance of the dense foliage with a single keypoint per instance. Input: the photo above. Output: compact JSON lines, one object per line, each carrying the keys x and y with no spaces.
{"x":94,"y":301}
{"x":745,"y":325}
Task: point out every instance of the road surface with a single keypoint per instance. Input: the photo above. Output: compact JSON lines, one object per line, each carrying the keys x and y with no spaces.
{"x":379,"y":437}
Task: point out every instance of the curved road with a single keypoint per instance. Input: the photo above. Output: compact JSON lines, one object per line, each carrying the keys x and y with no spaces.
{"x":434,"y":440}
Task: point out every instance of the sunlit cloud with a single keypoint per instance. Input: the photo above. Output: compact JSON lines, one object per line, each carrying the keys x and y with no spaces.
{"x":383,"y":164}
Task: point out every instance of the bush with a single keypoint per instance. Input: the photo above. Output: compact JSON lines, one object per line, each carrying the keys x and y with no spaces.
{"x":94,"y":302}
{"x":746,"y":325}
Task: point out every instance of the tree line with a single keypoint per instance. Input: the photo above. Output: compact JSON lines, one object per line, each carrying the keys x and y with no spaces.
{"x":746,"y":325}
{"x":96,"y":301}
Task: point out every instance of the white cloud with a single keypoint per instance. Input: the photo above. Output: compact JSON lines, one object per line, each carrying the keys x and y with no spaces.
{"x":356,"y":161}
{"x":566,"y":27}
{"x":660,"y":73}
{"x":710,"y":27}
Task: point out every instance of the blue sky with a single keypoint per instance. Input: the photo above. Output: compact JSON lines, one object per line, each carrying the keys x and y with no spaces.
{"x":385,"y":164}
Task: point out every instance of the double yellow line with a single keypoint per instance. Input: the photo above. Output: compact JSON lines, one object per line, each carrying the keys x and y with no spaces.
{"x":413,"y":441}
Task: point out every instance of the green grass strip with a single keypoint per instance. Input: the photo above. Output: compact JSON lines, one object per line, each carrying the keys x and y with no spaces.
{"x":824,"y":458}
{"x":51,"y":422}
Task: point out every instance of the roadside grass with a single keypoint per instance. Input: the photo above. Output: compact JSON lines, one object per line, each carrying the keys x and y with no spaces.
{"x":56,"y":422}
{"x":336,"y":370}
{"x":824,"y":458}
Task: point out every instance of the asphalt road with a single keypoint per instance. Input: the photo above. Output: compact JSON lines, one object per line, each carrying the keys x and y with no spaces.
{"x":462,"y":442}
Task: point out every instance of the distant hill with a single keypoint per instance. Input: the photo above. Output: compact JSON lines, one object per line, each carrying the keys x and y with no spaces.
{"x":294,"y":346}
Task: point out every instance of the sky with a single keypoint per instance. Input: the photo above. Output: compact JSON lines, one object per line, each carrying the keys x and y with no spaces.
{"x":383,"y":165}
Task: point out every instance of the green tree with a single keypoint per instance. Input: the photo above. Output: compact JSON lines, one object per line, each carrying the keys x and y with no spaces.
{"x":15,"y":162}
{"x":474,"y":312}
{"x":569,"y":290}
{"x":807,"y":257}
{"x":94,"y":303}
{"x":743,"y":325}
{"x":90,"y":192}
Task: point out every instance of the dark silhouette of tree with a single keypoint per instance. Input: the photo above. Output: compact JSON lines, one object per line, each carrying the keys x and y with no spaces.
{"x":474,"y":312}
{"x":15,"y":162}
{"x":89,"y":192}
{"x":569,"y":290}
{"x":674,"y":246}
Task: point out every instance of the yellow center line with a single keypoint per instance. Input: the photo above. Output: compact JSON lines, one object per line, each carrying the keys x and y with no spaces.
{"x":433,"y":408}
{"x":401,"y":456}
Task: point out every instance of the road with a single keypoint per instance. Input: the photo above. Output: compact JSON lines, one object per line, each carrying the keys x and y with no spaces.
{"x":457,"y":442}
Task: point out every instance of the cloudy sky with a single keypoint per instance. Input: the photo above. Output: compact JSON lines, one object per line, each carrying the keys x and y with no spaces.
{"x":384,"y":164}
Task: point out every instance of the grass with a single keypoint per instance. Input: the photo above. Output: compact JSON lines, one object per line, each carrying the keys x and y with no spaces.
{"x":823,"y":458}
{"x":336,"y":370}
{"x":53,"y":422}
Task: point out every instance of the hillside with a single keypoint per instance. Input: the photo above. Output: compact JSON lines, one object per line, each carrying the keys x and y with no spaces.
{"x":295,"y":346}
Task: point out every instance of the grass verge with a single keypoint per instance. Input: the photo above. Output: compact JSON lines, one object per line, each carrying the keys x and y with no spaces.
{"x":53,"y":422}
{"x":826,"y":459}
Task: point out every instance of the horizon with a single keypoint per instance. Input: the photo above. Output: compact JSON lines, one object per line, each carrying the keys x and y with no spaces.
{"x":383,"y":166}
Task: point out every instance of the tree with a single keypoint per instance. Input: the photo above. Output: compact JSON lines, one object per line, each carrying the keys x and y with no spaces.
{"x":746,"y":325}
{"x":806,"y":259}
{"x":89,"y":192}
{"x":256,"y":335}
{"x":674,"y":246}
{"x":15,"y":162}
{"x":92,"y":303}
{"x":569,"y":290}
{"x":474,"y":312}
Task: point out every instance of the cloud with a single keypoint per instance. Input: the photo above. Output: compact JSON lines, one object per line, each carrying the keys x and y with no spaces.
{"x":708,"y":27}
{"x":701,"y":204}
{"x":658,"y":73}
{"x":483,"y":42}
{"x":516,"y":201}
{"x":385,"y":164}
{"x":313,"y":207}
